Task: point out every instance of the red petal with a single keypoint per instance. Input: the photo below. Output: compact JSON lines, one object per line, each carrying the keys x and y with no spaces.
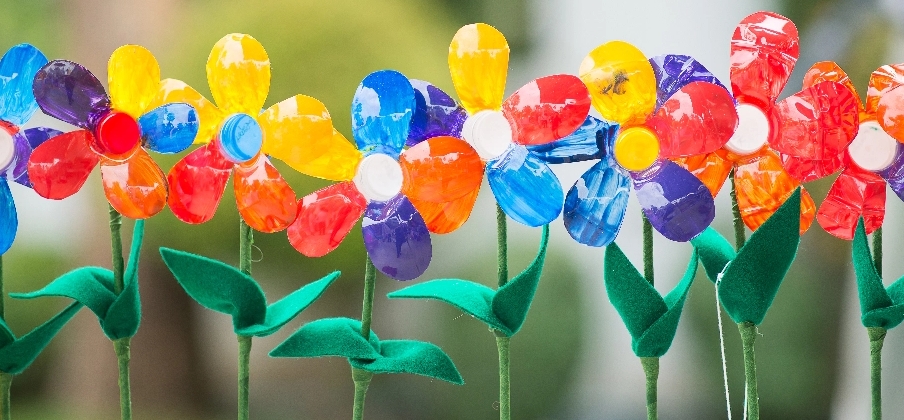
{"x":325,"y":217}
{"x":547,"y":109}
{"x":447,"y":217}
{"x":882,"y":80}
{"x":197,"y":183}
{"x":855,"y":193}
{"x":818,"y":122}
{"x":440,"y":170}
{"x":265,"y":200}
{"x":59,"y":167}
{"x":829,"y":71}
{"x":134,"y":187}
{"x":806,"y":170}
{"x":697,"y":119}
{"x":890,"y":113}
{"x":764,"y":48}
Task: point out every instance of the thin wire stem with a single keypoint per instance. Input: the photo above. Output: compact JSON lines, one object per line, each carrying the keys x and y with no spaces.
{"x":647,"y":249}
{"x":501,"y":247}
{"x":502,"y":341}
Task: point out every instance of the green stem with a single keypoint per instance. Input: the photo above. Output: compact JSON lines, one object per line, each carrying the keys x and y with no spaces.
{"x":740,"y":233}
{"x":651,"y":369}
{"x":877,"y":250}
{"x":121,"y":346}
{"x":362,"y":382}
{"x":362,"y":377}
{"x":6,"y":382}
{"x":501,"y":247}
{"x":503,"y":341}
{"x":876,"y":340}
{"x":246,"y":240}
{"x":748,"y":336}
{"x":647,"y":249}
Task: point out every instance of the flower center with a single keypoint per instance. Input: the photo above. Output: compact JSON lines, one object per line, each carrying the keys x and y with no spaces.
{"x":489,"y":133}
{"x":7,"y":149}
{"x":873,"y":149}
{"x":636,"y":148}
{"x":240,"y":138}
{"x":379,"y":177}
{"x":116,"y":134}
{"x":752,"y":132}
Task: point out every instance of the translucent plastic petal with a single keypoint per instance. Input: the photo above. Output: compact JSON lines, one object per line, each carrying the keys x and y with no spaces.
{"x":590,"y":141}
{"x":338,"y":163}
{"x":621,"y":82}
{"x":882,"y":80}
{"x":818,"y":122}
{"x":17,"y":72}
{"x":478,"y":61}
{"x":763,"y":186}
{"x":197,"y":183}
{"x":894,"y":174}
{"x":264,"y":199}
{"x":59,"y":167}
{"x":325,"y":217}
{"x":238,"y":72}
{"x":135,"y":187}
{"x":9,"y":221}
{"x":440,"y":170}
{"x":676,"y":203}
{"x":169,"y":128}
{"x":396,"y":238}
{"x":33,"y":137}
{"x":381,"y":112}
{"x":70,"y":93}
{"x":764,"y":48}
{"x":829,"y":71}
{"x":673,"y":72}
{"x":436,"y":114}
{"x":449,"y":216}
{"x":711,"y":169}
{"x":524,"y":186}
{"x":134,"y":79}
{"x":209,"y":116}
{"x":595,"y":205}
{"x":807,"y":170}
{"x":547,"y":109}
{"x":855,"y":193}
{"x":698,"y":119}
{"x":890,"y":113}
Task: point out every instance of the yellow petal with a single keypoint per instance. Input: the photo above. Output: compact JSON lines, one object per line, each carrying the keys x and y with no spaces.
{"x":338,"y":163}
{"x":172,"y":90}
{"x":478,"y":60}
{"x":621,"y":82}
{"x":238,"y":72}
{"x":133,"y":76}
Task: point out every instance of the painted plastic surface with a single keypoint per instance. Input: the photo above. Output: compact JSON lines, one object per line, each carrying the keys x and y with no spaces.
{"x":890,"y":113}
{"x":396,"y":238}
{"x":697,"y":119}
{"x":240,"y":138}
{"x":478,"y":62}
{"x":764,"y":48}
{"x":59,"y":167}
{"x":197,"y":183}
{"x":435,"y":114}
{"x":440,"y":170}
{"x":449,"y":216}
{"x":817,"y":123}
{"x":807,"y":170}
{"x":881,"y":81}
{"x":381,"y":113}
{"x":264,"y":199}
{"x":854,"y":193}
{"x":621,"y":82}
{"x":763,"y":185}
{"x":134,"y":78}
{"x":209,"y":116}
{"x":9,"y":221}
{"x":325,"y":217}
{"x":238,"y":72}
{"x":673,"y":72}
{"x":524,"y":186}
{"x":547,"y":109}
{"x":677,"y":204}
{"x":588,"y":142}
{"x":18,"y":68}
{"x":595,"y":205}
{"x":712,"y":168}
{"x":135,"y":187}
{"x":116,"y":135}
{"x":169,"y":128}
{"x":33,"y":137}
{"x":70,"y":93}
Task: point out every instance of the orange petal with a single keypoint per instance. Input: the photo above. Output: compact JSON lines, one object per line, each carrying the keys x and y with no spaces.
{"x":882,"y":80}
{"x":763,"y":186}
{"x":135,"y":187}
{"x":264,"y":199}
{"x":446,"y":217}
{"x":712,"y":168}
{"x":440,"y":170}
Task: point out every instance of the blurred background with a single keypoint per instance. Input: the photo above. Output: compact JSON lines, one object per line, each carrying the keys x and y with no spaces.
{"x":573,"y":358}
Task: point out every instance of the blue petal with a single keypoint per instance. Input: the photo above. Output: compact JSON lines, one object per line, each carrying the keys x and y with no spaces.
{"x":8,"y":220}
{"x":590,"y":141}
{"x":524,"y":186}
{"x":381,"y":113}
{"x":677,"y":204}
{"x":595,"y":206}
{"x":169,"y":128}
{"x":17,"y":72}
{"x":673,"y":72}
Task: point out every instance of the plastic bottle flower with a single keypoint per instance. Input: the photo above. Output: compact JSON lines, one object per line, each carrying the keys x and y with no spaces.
{"x":658,"y":118}
{"x":117,"y":130}
{"x":380,"y":180}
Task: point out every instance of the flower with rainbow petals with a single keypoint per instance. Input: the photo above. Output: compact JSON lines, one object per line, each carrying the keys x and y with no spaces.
{"x":116,"y":131}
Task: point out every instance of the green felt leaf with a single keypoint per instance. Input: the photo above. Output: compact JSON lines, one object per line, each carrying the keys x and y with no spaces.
{"x":888,"y":317}
{"x":287,"y":308}
{"x":15,"y":357}
{"x":636,"y":301}
{"x":715,"y":252}
{"x":471,"y":298}
{"x":878,"y":307}
{"x":338,"y":337}
{"x":414,"y":357}
{"x":657,"y":339}
{"x":749,"y":283}
{"x":6,"y":334}
{"x":512,"y":301}
{"x":219,"y":287}
{"x":124,"y":316}
{"x":896,"y":291}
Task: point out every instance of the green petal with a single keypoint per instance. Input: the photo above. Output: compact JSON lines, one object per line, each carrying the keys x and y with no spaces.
{"x":657,"y":339}
{"x":340,"y":337}
{"x":414,"y":357}
{"x":287,"y":308}
{"x":17,"y":356}
{"x":636,"y":301}
{"x":715,"y":252}
{"x":512,"y":301}
{"x":471,"y":298}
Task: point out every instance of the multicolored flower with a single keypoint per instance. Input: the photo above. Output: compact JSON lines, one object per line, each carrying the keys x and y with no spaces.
{"x":117,"y":130}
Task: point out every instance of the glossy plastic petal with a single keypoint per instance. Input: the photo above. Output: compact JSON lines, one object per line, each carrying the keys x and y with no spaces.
{"x":447,"y":217}
{"x":547,"y":109}
{"x":396,"y":238}
{"x":596,"y":203}
{"x":818,"y":122}
{"x":70,"y":93}
{"x":621,"y":82}
{"x":890,"y":113}
{"x":436,"y":114}
{"x":59,"y":167}
{"x":712,"y":168}
{"x":325,"y":217}
{"x":524,"y":186}
{"x":894,"y":174}
{"x":673,"y":72}
{"x":134,"y":78}
{"x":169,"y":128}
{"x":264,"y":199}
{"x":763,"y":185}
{"x":856,"y":193}
{"x":440,"y":170}
{"x":238,"y":72}
{"x":135,"y":187}
{"x":18,"y":68}
{"x":25,"y":143}
{"x":829,"y":71}
{"x":478,"y":61}
{"x":764,"y":48}
{"x":698,"y":119}
{"x":381,"y":113}
{"x":882,"y":80}
{"x":209,"y":116}
{"x":9,"y":221}
{"x":338,"y":163}
{"x":590,"y":141}
{"x":197,"y":183}
{"x":677,"y":204}
{"x":807,"y":170}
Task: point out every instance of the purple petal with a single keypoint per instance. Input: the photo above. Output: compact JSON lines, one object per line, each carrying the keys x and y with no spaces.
{"x":396,"y":238}
{"x":677,"y":204}
{"x":894,"y":174}
{"x":675,"y":71}
{"x":26,"y":141}
{"x":70,"y":93}
{"x":435,"y":114}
